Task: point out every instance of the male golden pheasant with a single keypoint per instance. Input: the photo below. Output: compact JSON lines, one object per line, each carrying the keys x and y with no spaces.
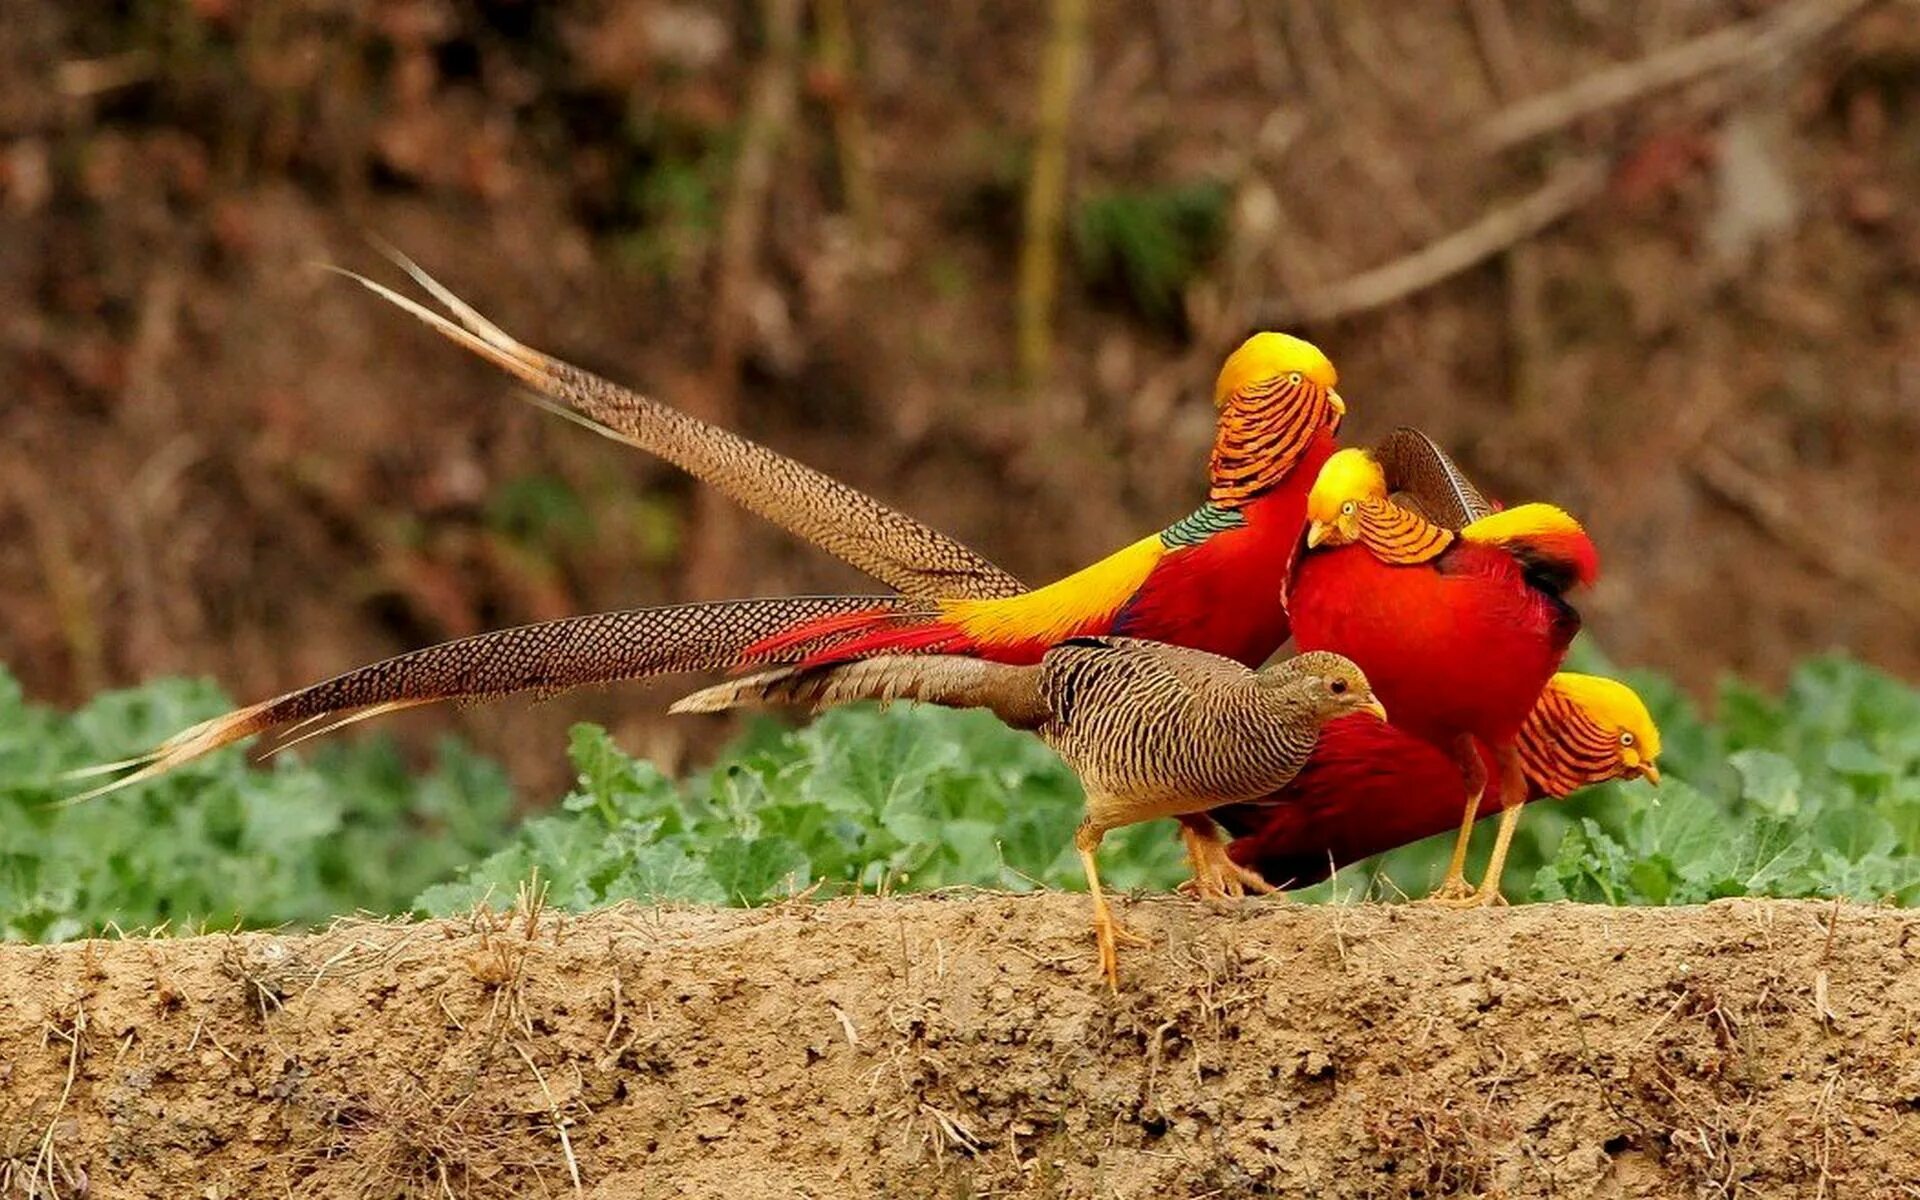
{"x":1459,"y":630}
{"x":1211,"y":581}
{"x":1152,"y":730}
{"x":1371,"y":787}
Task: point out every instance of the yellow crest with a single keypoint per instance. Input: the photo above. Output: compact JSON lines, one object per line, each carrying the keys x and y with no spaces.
{"x":1267,"y":357}
{"x":1613,"y":705}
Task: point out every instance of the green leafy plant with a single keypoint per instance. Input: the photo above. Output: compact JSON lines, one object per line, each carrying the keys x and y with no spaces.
{"x":219,"y":842}
{"x":1817,"y":793}
{"x":1147,"y":246}
{"x":913,"y":798}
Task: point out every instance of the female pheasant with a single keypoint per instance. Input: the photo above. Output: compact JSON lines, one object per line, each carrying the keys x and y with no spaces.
{"x":1152,"y":730}
{"x":1459,"y":630}
{"x":1370,"y":787}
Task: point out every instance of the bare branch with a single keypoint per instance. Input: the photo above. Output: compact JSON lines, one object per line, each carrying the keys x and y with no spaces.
{"x":1756,"y":43}
{"x":1568,"y":189}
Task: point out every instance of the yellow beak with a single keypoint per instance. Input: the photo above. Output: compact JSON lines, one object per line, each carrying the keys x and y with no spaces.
{"x":1339,"y":405}
{"x":1650,"y":773}
{"x":1318,"y":532}
{"x":1376,"y":708}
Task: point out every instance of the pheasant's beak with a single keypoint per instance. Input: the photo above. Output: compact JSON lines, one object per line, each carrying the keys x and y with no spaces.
{"x":1651,"y":773}
{"x":1317,"y":533}
{"x":1376,"y":708}
{"x":1339,"y":405}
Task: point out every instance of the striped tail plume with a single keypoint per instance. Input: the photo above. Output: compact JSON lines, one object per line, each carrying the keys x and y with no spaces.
{"x":873,"y":632}
{"x":845,"y":522}
{"x":542,"y":659}
{"x":1012,"y":693}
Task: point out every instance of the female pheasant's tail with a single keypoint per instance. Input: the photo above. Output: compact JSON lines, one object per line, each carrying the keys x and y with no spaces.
{"x":544,"y":659}
{"x":845,"y":522}
{"x":1011,"y":693}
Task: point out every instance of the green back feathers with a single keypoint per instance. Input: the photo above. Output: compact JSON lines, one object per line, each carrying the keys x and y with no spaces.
{"x":1201,"y":524}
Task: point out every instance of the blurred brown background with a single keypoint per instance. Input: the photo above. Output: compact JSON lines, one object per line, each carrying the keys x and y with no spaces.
{"x":1658,"y":261}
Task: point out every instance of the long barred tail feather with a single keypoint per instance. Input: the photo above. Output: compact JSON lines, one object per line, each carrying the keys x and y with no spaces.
{"x":862,"y":635}
{"x":883,"y":542}
{"x":545,"y":658}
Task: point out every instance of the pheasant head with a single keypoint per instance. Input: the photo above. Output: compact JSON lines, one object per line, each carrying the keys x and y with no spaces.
{"x":1275,"y":395}
{"x":1586,"y":729}
{"x":1329,"y":685}
{"x":1349,"y":482}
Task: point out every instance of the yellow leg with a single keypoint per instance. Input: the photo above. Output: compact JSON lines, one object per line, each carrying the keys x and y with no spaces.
{"x":1473,"y":771}
{"x":1107,"y":932}
{"x":1489,"y":891}
{"x":1512,"y":797}
{"x":1215,"y":875}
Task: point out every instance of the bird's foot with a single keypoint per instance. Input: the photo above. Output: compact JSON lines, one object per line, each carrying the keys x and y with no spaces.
{"x":1454,"y":892}
{"x":1481,"y":897}
{"x":1215,"y":875}
{"x":1223,"y":879}
{"x":1111,"y":935}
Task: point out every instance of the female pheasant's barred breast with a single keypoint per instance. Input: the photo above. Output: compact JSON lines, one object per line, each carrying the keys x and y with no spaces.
{"x":1264,"y":429}
{"x":1399,"y":535}
{"x":1133,"y":728}
{"x":1563,"y":748}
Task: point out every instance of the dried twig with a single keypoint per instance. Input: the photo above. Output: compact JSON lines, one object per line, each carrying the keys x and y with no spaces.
{"x":560,"y":1122}
{"x":1565,"y":191}
{"x":1047,"y":187}
{"x":1751,"y":44}
{"x":1768,"y":508}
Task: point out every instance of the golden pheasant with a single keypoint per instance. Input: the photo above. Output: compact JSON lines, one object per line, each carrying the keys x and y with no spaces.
{"x":1212,"y":580}
{"x":1460,"y":630}
{"x":1370,"y":787}
{"x":1152,"y":730}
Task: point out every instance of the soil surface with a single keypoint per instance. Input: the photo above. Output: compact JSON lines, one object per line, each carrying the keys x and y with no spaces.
{"x":962,"y":1046}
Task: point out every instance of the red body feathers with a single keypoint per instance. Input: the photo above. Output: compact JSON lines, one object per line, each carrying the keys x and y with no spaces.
{"x":1463,"y":644}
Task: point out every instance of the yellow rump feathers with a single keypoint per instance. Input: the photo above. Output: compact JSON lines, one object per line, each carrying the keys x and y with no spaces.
{"x":1523,"y":522}
{"x":1266,"y":357}
{"x":1064,"y":607}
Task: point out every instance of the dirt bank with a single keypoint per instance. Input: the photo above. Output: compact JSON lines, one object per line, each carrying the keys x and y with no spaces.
{"x":961,"y":1047}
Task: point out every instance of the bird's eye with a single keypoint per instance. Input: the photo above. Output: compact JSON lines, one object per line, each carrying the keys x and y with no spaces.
{"x":1339,"y":687}
{"x":1347,"y":509}
{"x":1293,"y":377}
{"x":1626,"y":739}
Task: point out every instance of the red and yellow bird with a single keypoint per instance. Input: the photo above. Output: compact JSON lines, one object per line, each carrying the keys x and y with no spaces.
{"x":1459,"y":630}
{"x":1211,"y":581}
{"x":1371,"y":787}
